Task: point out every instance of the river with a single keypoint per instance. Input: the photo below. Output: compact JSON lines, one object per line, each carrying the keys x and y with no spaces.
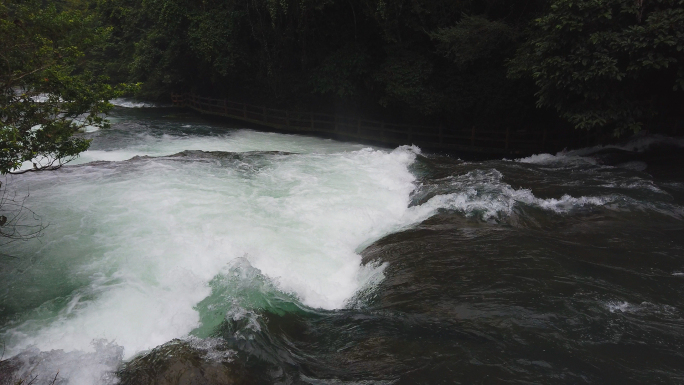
{"x":180,"y":248}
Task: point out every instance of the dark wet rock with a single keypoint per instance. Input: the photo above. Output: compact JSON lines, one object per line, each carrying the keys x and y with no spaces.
{"x":613,"y":156}
{"x":634,"y":165}
{"x":199,"y":154}
{"x":9,"y":372}
{"x":665,"y":161}
{"x":133,"y":159}
{"x":662,"y":159}
{"x":179,"y":363}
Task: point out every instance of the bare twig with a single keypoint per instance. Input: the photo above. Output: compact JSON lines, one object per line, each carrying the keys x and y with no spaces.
{"x":54,"y":379}
{"x":14,"y":214}
{"x":12,"y":80}
{"x":49,"y":167}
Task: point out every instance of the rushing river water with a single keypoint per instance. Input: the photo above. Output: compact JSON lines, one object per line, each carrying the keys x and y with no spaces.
{"x":178,"y":250}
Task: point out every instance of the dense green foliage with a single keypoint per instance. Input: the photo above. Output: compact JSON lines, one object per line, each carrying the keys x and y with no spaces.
{"x":369,"y":56}
{"x":615,"y":64}
{"x":607,"y":62}
{"x":48,"y":90}
{"x":598,"y":63}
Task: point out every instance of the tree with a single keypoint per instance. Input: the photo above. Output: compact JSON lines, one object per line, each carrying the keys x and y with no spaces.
{"x":48,"y":91}
{"x":607,"y":62}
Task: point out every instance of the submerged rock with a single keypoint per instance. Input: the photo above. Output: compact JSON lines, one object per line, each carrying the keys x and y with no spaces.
{"x":663,"y":160}
{"x":8,"y":372}
{"x":180,"y":363}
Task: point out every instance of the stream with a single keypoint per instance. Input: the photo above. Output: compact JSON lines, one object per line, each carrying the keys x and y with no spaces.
{"x":178,"y":250}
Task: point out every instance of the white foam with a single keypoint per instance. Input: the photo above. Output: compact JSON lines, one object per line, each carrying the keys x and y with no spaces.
{"x":43,"y":97}
{"x":77,"y":367}
{"x":144,"y":144}
{"x":621,"y":306}
{"x":642,"y":308}
{"x":638,"y":143}
{"x":214,"y":349}
{"x":642,"y":142}
{"x":482,"y":193}
{"x":559,"y":158}
{"x":149,"y":236}
{"x":234,"y":141}
{"x":130,"y":103}
{"x":635,"y":184}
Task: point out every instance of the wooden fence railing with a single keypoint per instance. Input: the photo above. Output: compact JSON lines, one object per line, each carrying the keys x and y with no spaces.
{"x":503,"y":141}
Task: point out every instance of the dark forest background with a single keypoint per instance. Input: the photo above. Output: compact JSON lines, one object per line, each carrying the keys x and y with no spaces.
{"x":611,"y":65}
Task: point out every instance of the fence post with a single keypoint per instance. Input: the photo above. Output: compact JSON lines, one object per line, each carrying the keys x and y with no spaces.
{"x":446,"y":138}
{"x":508,"y":136}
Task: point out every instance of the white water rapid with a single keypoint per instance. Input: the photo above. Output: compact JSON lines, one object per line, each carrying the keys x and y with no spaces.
{"x":132,"y":245}
{"x":169,"y":225}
